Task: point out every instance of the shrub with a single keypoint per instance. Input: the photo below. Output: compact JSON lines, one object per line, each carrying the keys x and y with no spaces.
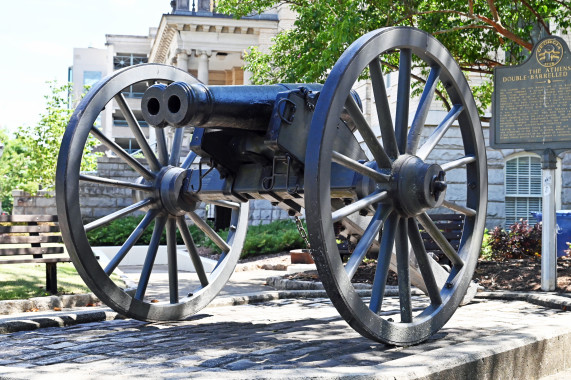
{"x":486,"y":250}
{"x":117,"y":232}
{"x":275,"y":237}
{"x":278,"y":236}
{"x":521,"y":241}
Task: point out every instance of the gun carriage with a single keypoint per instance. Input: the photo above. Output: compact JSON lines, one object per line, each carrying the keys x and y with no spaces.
{"x":300,"y":146}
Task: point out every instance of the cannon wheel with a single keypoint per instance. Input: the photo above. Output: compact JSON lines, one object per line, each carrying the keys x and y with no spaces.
{"x":403,"y":185}
{"x":156,"y":193}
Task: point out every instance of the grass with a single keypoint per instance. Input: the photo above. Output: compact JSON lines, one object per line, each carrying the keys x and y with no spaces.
{"x":22,"y":281}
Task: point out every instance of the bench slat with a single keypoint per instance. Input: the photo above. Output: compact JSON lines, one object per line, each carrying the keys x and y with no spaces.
{"x":43,"y":228}
{"x":446,"y":225}
{"x":39,"y":261}
{"x":27,"y":218}
{"x":447,"y":234}
{"x":447,"y":216}
{"x":15,"y":239}
{"x":31,"y":251}
{"x":433,"y":247}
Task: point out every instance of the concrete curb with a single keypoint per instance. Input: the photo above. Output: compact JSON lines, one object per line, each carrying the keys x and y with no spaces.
{"x":280,"y":283}
{"x":47,"y":303}
{"x":549,"y":300}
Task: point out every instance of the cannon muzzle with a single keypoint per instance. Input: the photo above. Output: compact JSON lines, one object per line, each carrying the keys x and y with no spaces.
{"x":244,"y":107}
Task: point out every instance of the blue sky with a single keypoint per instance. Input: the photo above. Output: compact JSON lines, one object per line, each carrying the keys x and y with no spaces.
{"x":37,"y":38}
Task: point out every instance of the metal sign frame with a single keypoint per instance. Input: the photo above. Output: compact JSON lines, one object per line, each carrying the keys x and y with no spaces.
{"x":518,"y":90}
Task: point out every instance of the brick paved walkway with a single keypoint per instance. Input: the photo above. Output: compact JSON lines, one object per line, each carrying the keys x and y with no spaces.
{"x":291,"y":338}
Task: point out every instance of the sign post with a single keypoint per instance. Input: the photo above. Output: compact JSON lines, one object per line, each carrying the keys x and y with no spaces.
{"x":549,"y":230}
{"x":532,"y":111}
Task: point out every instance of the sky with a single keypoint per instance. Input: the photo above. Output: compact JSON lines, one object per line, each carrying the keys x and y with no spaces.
{"x":37,"y":38}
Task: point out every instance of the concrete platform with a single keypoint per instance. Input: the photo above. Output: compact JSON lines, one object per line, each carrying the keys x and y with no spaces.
{"x":296,"y":338}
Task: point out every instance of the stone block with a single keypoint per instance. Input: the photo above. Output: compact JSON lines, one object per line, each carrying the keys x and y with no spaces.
{"x":99,"y":212}
{"x":266,"y":215}
{"x":275,"y":215}
{"x":45,"y":202}
{"x":100,"y":202}
{"x":496,"y":176}
{"x":496,"y":210}
{"x":496,"y":193}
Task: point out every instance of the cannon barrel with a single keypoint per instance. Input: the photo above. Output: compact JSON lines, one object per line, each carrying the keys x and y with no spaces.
{"x":244,"y":107}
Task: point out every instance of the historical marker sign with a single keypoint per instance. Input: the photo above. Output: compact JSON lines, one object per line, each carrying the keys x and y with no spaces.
{"x":531,"y":104}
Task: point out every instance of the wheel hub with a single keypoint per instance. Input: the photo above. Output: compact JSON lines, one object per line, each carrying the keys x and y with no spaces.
{"x":168,"y":186}
{"x":418,"y":186}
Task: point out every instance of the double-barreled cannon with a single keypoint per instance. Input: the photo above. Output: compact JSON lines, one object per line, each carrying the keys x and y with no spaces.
{"x":306,"y":148}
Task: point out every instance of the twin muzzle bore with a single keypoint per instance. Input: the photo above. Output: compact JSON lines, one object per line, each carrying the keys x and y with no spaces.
{"x":179,"y":104}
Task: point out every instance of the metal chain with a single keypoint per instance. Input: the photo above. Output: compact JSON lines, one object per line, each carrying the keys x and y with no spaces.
{"x":302,"y":231}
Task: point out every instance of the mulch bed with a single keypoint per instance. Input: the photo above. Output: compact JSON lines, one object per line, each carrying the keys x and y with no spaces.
{"x":521,"y":274}
{"x":515,"y":275}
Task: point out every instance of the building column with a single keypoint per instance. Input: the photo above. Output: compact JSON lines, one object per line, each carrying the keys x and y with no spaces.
{"x":202,"y":66}
{"x":247,"y":77}
{"x":182,"y":60}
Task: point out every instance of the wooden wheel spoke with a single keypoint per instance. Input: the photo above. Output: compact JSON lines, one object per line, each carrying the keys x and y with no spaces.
{"x":222,"y":203}
{"x":459,"y":162}
{"x":372,"y":198}
{"x":403,"y":99}
{"x":162,"y":146}
{"x":403,"y":271}
{"x":433,"y":140}
{"x":383,"y":262}
{"x":350,"y":163}
{"x":192,"y":251}
{"x":204,"y":227}
{"x":369,"y":236}
{"x":118,"y":214}
{"x":115,"y":183}
{"x":176,"y":146}
{"x":150,"y":258}
{"x":130,"y":242}
{"x":458,"y":208}
{"x":379,"y":154}
{"x":188,"y":160}
{"x":423,"y":263}
{"x":136,"y":165}
{"x":422,"y":110}
{"x":383,"y":109}
{"x":172,"y":260}
{"x":440,"y":240}
{"x":137,"y":132}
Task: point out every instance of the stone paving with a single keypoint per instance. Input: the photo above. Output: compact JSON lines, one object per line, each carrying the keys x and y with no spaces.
{"x":289,"y":338}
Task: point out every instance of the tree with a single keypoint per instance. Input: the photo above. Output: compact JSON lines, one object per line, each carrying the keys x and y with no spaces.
{"x":476,"y":32}
{"x":30,"y":156}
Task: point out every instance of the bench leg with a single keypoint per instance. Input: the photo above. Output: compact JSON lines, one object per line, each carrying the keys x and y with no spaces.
{"x":51,"y":278}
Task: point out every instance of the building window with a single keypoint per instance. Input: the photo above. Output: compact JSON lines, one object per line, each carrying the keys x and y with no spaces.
{"x":523,"y":188}
{"x":90,"y":78}
{"x":125,"y":60}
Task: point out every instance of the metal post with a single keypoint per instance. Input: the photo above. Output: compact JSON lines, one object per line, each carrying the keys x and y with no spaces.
{"x":548,"y":237}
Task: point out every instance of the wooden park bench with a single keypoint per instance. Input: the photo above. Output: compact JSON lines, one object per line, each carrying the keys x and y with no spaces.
{"x":32,"y":239}
{"x":451,"y":226}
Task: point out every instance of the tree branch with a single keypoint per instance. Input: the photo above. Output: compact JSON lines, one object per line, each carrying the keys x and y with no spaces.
{"x":560,"y":2}
{"x":495,"y":25}
{"x":537,"y":15}
{"x":471,"y":26}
